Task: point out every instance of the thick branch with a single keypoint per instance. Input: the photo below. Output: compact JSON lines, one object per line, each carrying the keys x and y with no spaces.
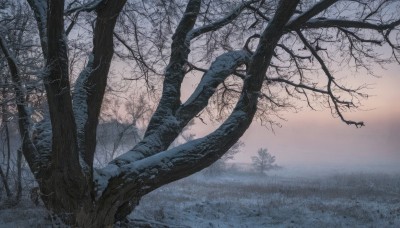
{"x":329,"y":23}
{"x":80,"y":108}
{"x":87,"y":7}
{"x":58,"y":92}
{"x":39,"y":8}
{"x":91,"y":84}
{"x":175,"y":71}
{"x":220,"y":69}
{"x":313,"y":11}
{"x":165,"y":120}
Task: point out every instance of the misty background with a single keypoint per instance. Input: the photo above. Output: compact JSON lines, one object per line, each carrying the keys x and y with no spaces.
{"x":314,"y":139}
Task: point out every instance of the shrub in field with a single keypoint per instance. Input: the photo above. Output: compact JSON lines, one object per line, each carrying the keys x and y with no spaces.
{"x":264,"y":161}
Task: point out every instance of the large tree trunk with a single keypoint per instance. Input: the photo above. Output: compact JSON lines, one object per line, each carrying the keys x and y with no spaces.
{"x":61,"y":149}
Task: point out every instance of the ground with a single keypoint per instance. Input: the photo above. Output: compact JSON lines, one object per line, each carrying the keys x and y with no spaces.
{"x":244,"y":199}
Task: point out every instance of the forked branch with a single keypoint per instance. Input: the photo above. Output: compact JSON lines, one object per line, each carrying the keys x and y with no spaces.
{"x":336,"y":101}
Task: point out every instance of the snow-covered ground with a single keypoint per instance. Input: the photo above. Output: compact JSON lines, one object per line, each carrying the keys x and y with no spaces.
{"x":248,"y":200}
{"x":237,"y":199}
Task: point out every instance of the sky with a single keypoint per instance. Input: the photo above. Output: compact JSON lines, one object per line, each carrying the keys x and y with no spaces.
{"x":315,"y":138}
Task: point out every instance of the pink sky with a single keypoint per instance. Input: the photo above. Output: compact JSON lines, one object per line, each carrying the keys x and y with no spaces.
{"x":310,"y":137}
{"x":316,"y":137}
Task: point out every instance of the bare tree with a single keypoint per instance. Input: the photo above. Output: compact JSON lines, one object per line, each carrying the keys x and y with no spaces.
{"x":5,"y":140}
{"x":264,"y":161}
{"x":256,"y":56}
{"x":121,"y":125}
{"x":17,"y":24}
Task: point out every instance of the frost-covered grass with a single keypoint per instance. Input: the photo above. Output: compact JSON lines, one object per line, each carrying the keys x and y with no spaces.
{"x":240,"y":199}
{"x":248,"y":200}
{"x":25,"y":214}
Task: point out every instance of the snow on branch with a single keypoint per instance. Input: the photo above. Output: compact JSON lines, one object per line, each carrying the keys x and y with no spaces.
{"x":79,"y":105}
{"x":182,"y":160}
{"x":92,"y":82}
{"x":220,"y":69}
{"x":169,"y":165}
{"x":41,"y":137}
{"x":80,"y":96}
{"x":175,"y":71}
{"x":172,"y":125}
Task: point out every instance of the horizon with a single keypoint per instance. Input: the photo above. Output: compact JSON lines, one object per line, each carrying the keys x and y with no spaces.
{"x":316,"y":138}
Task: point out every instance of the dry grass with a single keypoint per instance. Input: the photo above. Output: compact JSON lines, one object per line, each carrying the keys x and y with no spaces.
{"x":247,"y":200}
{"x":340,"y":200}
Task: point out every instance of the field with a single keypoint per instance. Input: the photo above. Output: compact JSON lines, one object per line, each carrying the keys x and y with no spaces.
{"x":244,"y":199}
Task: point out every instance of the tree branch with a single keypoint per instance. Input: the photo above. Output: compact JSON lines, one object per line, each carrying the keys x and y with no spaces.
{"x":352,"y":34}
{"x":24,"y":121}
{"x":342,"y":23}
{"x":220,"y":69}
{"x":296,"y":85}
{"x":319,"y":7}
{"x":39,"y":8}
{"x":221,"y":22}
{"x":58,"y":92}
{"x":87,"y":7}
{"x":175,"y":71}
{"x":331,"y":79}
{"x":138,"y":59}
{"x":224,"y":66}
{"x":91,"y":83}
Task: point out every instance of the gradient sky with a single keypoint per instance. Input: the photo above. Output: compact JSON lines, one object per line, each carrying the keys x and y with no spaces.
{"x":316,"y":138}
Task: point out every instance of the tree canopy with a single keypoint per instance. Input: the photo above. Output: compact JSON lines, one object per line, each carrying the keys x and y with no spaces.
{"x":256,"y":58}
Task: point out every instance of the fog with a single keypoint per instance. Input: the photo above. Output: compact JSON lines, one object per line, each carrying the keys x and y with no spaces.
{"x":316,"y":139}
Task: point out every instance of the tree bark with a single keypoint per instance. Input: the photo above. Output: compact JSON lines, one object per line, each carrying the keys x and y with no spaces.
{"x":96,"y":81}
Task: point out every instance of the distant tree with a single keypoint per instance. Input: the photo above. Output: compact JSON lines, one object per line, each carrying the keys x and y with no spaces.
{"x":264,"y":161}
{"x":121,"y":125}
{"x":18,"y":25}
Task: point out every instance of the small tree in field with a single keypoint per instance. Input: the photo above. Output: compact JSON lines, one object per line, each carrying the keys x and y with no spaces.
{"x":264,"y":161}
